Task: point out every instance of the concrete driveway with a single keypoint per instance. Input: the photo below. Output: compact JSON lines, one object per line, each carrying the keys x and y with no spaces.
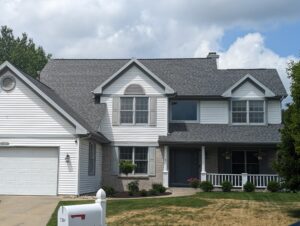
{"x":26,"y":210}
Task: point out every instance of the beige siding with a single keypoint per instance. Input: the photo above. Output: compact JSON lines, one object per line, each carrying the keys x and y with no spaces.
{"x":24,"y":112}
{"x":133,"y":76}
{"x":67,"y":172}
{"x":214,"y":112}
{"x":89,"y":183}
{"x":274,"y":111}
{"x":247,"y":90}
{"x":120,"y":183}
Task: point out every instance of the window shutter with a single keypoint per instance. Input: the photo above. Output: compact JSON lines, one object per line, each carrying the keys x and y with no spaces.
{"x":151,"y":161}
{"x":116,"y":111}
{"x":115,"y":161}
{"x":153,"y":111}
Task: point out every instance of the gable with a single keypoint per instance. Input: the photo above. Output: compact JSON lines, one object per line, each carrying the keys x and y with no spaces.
{"x":133,"y":76}
{"x":248,"y":89}
{"x":24,"y":112}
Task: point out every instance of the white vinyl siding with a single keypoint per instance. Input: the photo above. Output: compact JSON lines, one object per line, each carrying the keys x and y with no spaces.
{"x":214,"y":112}
{"x":67,"y":173}
{"x":24,"y":112}
{"x":274,"y":111}
{"x":247,"y":90}
{"x":88,"y":183}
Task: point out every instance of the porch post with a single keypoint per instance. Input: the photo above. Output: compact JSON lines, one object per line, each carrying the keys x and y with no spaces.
{"x":203,"y":171}
{"x":166,"y":167}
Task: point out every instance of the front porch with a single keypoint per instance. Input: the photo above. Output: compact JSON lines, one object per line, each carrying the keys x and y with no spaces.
{"x":216,"y":163}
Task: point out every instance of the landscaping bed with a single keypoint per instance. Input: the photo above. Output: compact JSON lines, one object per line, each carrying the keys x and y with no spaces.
{"x":137,"y":195}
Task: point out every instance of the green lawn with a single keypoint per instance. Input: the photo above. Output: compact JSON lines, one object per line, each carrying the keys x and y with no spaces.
{"x":198,"y":201}
{"x":115,"y":207}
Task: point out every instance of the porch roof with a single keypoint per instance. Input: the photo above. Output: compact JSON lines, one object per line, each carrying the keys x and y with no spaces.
{"x":188,"y":133}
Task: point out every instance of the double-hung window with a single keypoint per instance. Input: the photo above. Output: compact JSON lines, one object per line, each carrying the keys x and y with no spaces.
{"x":134,"y":110}
{"x":92,"y":159}
{"x":248,"y":111}
{"x":136,"y":155}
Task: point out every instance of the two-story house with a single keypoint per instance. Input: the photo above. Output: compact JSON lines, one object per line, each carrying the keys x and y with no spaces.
{"x":174,"y":118}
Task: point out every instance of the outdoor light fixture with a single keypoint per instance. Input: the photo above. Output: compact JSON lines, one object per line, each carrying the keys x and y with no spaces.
{"x":227,"y":155}
{"x":259,"y":155}
{"x":67,"y":158}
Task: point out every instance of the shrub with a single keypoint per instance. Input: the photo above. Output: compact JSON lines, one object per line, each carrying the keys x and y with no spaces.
{"x":153,"y":192}
{"x":206,"y":186}
{"x":159,"y":188}
{"x":249,"y":187}
{"x":143,"y":192}
{"x":194,"y":182}
{"x":273,"y":186}
{"x":226,"y":186}
{"x":127,"y":167}
{"x":133,"y":187}
{"x":110,"y":191}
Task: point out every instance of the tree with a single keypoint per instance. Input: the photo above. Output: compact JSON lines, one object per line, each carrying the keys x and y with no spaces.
{"x":288,"y":162}
{"x":22,"y":52}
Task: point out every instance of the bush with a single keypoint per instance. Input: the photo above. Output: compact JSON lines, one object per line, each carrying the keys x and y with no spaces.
{"x":194,"y":182}
{"x":249,"y":187}
{"x":127,"y":167}
{"x":273,"y":186}
{"x":226,"y":186}
{"x":153,"y":192}
{"x":133,"y":187}
{"x":110,"y":191}
{"x":206,"y":186}
{"x":159,"y":188}
{"x":143,"y":192}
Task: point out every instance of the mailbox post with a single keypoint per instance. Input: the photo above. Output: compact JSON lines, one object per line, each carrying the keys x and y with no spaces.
{"x":84,"y":215}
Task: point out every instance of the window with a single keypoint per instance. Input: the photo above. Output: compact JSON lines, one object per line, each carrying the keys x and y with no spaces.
{"x":248,"y":111}
{"x":184,"y":110}
{"x":92,"y":159}
{"x":137,"y":155}
{"x":134,"y":110}
{"x":245,"y":162}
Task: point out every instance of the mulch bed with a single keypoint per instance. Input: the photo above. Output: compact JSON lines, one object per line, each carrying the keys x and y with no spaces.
{"x":126,"y":195}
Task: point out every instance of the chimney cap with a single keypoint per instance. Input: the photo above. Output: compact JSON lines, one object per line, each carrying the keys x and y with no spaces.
{"x":213,"y":55}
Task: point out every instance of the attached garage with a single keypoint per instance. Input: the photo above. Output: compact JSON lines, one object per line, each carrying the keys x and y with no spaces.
{"x":28,"y":171}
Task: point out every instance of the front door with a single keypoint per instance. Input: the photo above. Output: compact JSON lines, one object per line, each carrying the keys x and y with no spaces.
{"x":183,"y":165}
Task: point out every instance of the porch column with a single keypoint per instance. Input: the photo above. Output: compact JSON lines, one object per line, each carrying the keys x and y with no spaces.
{"x":166,"y":167}
{"x":203,"y":171}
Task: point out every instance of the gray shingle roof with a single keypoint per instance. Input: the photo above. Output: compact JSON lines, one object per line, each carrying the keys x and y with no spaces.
{"x":74,"y":79}
{"x":214,"y":133}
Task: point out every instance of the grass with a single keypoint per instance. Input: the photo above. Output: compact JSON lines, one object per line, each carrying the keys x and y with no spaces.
{"x":115,"y":207}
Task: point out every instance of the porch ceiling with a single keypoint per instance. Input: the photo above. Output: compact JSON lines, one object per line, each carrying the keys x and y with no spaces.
{"x":193,"y":133}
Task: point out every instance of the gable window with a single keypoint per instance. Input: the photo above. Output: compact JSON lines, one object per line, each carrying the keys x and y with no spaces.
{"x":184,"y":110}
{"x":92,"y":159}
{"x":136,"y":155}
{"x":248,"y":111}
{"x":134,"y":110}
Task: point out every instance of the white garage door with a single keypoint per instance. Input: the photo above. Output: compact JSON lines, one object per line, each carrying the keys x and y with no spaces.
{"x":28,"y":171}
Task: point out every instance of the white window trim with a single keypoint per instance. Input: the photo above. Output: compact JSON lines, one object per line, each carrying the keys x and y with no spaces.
{"x":184,"y":121}
{"x":133,"y":161}
{"x":248,"y":112}
{"x":134,"y":110}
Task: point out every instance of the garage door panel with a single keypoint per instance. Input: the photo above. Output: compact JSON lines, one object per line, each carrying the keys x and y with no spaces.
{"x":28,"y":171}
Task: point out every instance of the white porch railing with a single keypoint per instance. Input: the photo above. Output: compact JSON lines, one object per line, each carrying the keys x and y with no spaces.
{"x":238,"y":180}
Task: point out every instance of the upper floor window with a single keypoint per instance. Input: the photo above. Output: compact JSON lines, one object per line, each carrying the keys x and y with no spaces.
{"x":134,"y":110}
{"x":184,"y":110}
{"x":248,"y":111}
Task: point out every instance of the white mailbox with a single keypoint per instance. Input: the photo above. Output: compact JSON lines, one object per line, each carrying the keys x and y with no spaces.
{"x":84,"y":215}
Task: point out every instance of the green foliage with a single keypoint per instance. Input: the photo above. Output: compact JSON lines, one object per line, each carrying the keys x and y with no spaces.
{"x":273,"y":186}
{"x":143,"y":192}
{"x":159,"y":188}
{"x":153,"y":192}
{"x":22,"y":52}
{"x":127,"y":167}
{"x":226,"y":186}
{"x":206,"y":186}
{"x":194,"y":182}
{"x":133,"y":187}
{"x":249,"y":187}
{"x":110,"y":191}
{"x":288,"y":162}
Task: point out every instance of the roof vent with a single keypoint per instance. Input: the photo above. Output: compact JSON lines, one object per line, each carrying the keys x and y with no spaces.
{"x":7,"y":82}
{"x":213,"y":55}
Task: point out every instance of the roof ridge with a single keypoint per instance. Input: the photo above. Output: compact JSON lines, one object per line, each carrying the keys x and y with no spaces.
{"x":168,"y":58}
{"x":232,"y":69}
